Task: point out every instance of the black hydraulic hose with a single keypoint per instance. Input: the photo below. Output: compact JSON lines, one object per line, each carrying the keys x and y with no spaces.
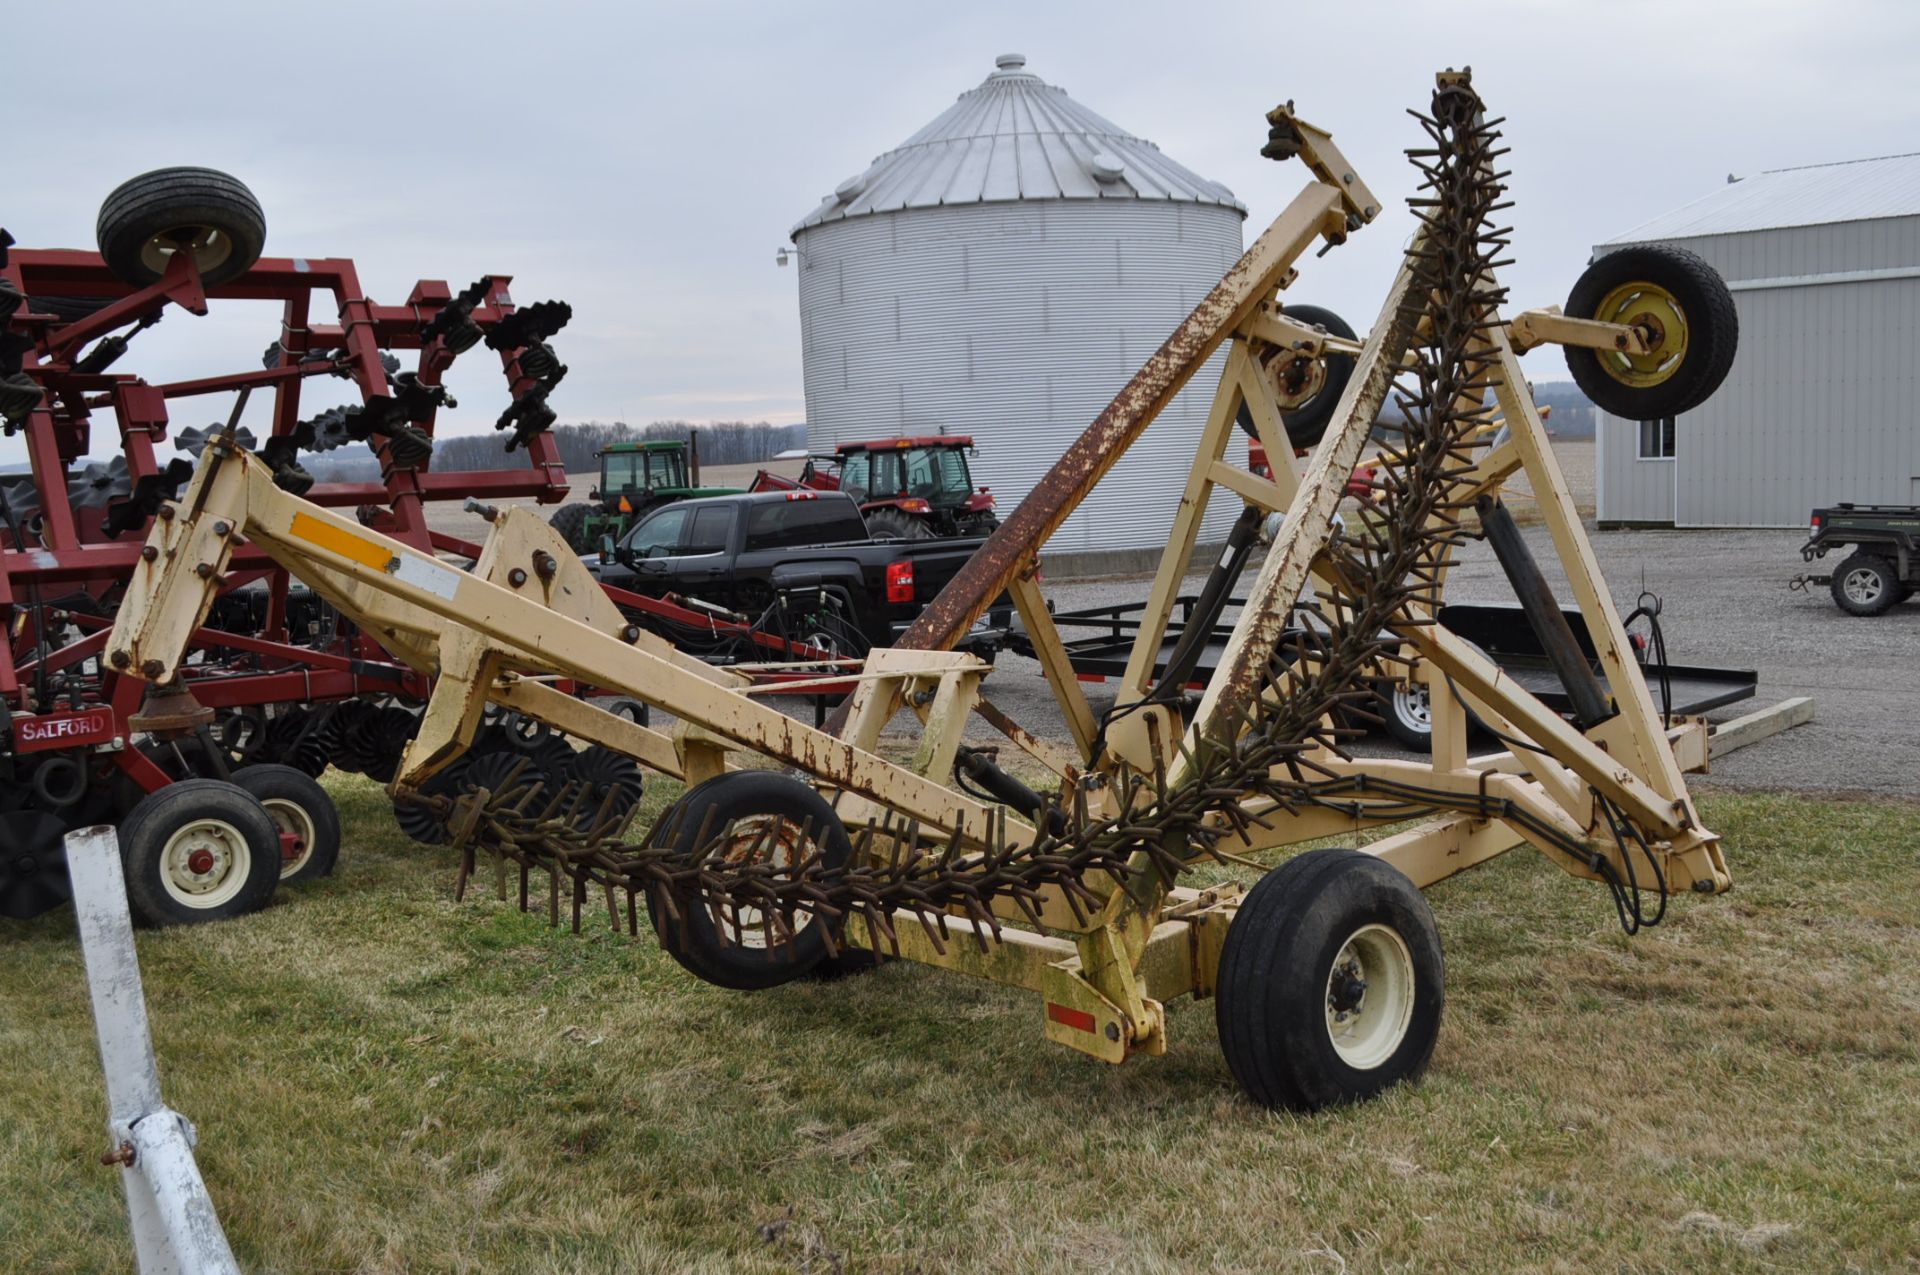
{"x":1197,"y":631}
{"x":1543,"y":614}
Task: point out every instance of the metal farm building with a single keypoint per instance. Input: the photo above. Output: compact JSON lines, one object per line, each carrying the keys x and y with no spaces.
{"x":1002,"y":274}
{"x":1824,"y":266}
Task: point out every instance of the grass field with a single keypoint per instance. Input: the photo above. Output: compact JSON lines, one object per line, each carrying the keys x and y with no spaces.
{"x":385,"y":1080}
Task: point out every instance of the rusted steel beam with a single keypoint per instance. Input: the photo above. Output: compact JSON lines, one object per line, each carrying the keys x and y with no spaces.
{"x":1253,"y":278}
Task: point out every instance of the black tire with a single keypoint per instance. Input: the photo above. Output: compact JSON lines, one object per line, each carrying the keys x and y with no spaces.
{"x":1307,"y":423}
{"x":1713,"y":331}
{"x":1277,"y":990}
{"x":891,"y":524}
{"x":571,"y":522}
{"x":296,"y":803}
{"x":723,"y":806}
{"x":157,"y":846}
{"x":1866,"y":584}
{"x":69,"y":309}
{"x":150,"y":216}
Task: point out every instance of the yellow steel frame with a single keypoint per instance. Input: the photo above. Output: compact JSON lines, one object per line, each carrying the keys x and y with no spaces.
{"x":528,"y":611}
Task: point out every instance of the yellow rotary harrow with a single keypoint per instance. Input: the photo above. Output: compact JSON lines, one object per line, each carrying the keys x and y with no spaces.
{"x":794,"y":846}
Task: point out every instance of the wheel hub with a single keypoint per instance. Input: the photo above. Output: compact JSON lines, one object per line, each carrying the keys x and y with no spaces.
{"x":200,"y":862}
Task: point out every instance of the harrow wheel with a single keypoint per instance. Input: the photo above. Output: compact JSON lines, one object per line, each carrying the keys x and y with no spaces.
{"x":1683,"y":308}
{"x":1330,"y":984}
{"x":733,"y":819}
{"x":1307,"y":389}
{"x":199,"y":850}
{"x":152,"y":217}
{"x":304,"y":816}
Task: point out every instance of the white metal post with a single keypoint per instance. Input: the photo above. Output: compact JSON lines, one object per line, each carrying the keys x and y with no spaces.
{"x":175,"y":1231}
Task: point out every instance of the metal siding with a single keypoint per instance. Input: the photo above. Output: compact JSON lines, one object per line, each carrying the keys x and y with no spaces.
{"x":1817,"y":408}
{"x":1017,"y":323}
{"x":1627,"y":489}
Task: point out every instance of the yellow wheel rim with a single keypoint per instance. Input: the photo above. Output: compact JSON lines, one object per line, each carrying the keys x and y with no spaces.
{"x":1657,"y":313}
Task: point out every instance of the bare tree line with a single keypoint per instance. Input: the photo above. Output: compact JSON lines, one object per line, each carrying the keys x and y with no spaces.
{"x":721,"y":443}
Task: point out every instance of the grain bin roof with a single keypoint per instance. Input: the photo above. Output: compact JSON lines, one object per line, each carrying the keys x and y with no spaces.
{"x":1016,"y":137}
{"x":1853,"y":190}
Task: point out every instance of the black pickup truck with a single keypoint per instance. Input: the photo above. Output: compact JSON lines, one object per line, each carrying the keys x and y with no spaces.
{"x":750,"y":553}
{"x":1884,"y":568}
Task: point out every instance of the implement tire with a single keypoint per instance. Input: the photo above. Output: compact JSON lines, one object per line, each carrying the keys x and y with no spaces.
{"x":149,"y":218}
{"x":571,"y":522}
{"x":736,"y":809}
{"x":1331,"y":982}
{"x":1685,"y":299}
{"x":297,"y":804}
{"x":199,"y":850}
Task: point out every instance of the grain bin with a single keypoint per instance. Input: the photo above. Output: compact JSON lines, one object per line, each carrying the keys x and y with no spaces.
{"x":1002,"y":273}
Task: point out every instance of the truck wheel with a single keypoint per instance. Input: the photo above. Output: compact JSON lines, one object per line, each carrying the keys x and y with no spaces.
{"x":300,"y":809}
{"x":1866,"y":584}
{"x":571,"y":522}
{"x":1331,"y":982}
{"x":148,"y":219}
{"x":198,"y":850}
{"x":1683,"y":302}
{"x":741,"y":814}
{"x":891,"y":524}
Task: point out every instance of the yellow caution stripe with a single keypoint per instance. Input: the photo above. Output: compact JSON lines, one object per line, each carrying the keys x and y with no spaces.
{"x":333,"y":539}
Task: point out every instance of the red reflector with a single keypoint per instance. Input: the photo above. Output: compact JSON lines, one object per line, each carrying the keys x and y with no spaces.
{"x":1089,"y":677}
{"x":1078,"y":1019}
{"x":900,"y":582}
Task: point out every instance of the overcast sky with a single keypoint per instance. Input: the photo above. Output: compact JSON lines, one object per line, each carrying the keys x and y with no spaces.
{"x":644,"y":162}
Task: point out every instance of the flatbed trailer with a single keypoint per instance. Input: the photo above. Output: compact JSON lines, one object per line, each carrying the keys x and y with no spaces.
{"x":1099,"y":640}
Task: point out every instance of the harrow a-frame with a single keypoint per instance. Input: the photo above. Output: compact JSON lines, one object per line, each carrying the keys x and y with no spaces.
{"x":1327,"y":972}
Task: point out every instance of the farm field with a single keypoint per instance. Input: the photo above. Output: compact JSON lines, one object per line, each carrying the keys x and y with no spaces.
{"x":387,"y":1080}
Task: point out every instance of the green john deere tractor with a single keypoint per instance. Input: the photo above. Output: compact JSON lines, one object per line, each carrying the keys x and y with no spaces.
{"x":635,"y":479}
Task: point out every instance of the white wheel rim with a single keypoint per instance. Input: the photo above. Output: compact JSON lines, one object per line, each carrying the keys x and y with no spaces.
{"x":1370,"y":996}
{"x":1863,"y":585}
{"x":291,"y":816}
{"x":205,"y":882}
{"x":763,"y":838}
{"x":1413,"y":705}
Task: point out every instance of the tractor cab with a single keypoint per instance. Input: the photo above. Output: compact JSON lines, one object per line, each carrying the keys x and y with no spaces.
{"x":630,"y":474}
{"x":916,"y":488}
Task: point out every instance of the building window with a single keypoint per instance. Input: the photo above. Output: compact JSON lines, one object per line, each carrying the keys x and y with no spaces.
{"x":1656,"y":439}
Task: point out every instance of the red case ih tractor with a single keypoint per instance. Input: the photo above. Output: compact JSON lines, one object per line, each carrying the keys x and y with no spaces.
{"x":908,"y":488}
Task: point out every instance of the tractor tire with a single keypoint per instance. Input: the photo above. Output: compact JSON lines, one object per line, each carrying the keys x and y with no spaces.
{"x":1657,"y":281}
{"x":891,"y":524}
{"x":69,"y":309}
{"x":571,"y":522}
{"x":1331,"y":982}
{"x":1307,"y":423}
{"x":1866,"y":584}
{"x":297,"y":804}
{"x":148,"y":219}
{"x":736,"y":807}
{"x":199,"y":850}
